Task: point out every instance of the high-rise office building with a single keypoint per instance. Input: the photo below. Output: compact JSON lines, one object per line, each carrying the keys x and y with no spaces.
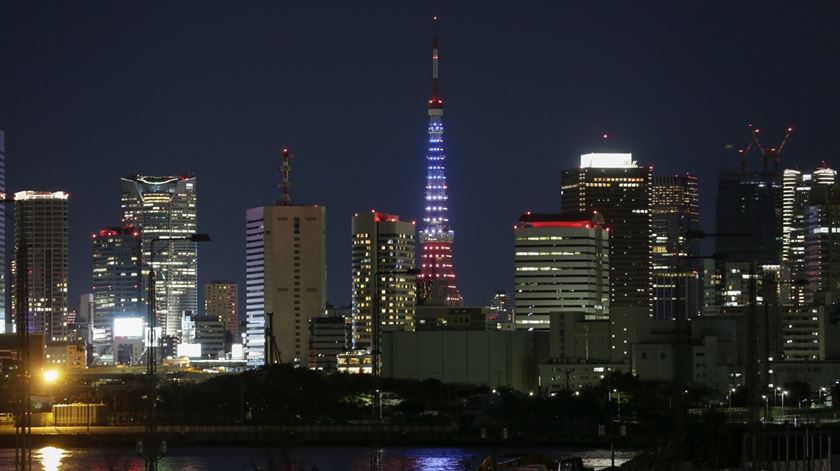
{"x":799,"y":191}
{"x":285,"y":275}
{"x":166,"y":207}
{"x":41,"y":232}
{"x":561,"y":266}
{"x":383,"y":247}
{"x":117,"y":285}
{"x":221,"y":301}
{"x":437,"y":274}
{"x":822,"y":247}
{"x":675,"y":207}
{"x":620,"y":190}
{"x":749,"y":212}
{"x":5,"y":318}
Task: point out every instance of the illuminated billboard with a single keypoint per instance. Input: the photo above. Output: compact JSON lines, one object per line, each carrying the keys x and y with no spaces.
{"x":605,"y":160}
{"x":189,"y":350}
{"x":128,"y":327}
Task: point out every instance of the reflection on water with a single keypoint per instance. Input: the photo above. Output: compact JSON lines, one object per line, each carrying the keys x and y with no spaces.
{"x":321,"y":458}
{"x":50,"y":457}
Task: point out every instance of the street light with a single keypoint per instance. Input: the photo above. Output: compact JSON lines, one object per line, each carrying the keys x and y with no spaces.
{"x":150,"y":451}
{"x":50,"y":377}
{"x":766,"y":406}
{"x":731,"y":392}
{"x":784,"y":393}
{"x":822,"y":390}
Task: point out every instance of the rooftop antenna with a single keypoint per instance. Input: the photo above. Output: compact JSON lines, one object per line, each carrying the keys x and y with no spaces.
{"x":286,"y":197}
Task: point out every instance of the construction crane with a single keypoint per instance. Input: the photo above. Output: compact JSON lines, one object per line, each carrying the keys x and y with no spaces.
{"x":767,"y":153}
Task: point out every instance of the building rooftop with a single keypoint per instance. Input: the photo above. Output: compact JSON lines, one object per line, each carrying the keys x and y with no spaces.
{"x":570,"y":219}
{"x":607,"y":160}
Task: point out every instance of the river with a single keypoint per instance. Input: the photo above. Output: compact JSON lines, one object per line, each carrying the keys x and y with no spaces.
{"x":302,"y":458}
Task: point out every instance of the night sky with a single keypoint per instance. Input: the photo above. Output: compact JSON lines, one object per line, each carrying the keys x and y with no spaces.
{"x":92,"y":91}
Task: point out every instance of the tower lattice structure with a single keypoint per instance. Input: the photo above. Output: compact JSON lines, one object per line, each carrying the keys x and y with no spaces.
{"x":437,"y":275}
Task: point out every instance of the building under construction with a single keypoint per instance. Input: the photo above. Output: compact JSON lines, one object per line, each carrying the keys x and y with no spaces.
{"x":749,"y":203}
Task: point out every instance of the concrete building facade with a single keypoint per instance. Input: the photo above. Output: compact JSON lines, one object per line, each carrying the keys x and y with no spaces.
{"x":285,"y":270}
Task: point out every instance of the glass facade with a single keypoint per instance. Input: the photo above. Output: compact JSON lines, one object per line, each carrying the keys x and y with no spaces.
{"x":166,"y":206}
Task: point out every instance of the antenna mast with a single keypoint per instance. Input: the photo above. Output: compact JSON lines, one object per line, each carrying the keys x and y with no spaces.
{"x":286,"y":197}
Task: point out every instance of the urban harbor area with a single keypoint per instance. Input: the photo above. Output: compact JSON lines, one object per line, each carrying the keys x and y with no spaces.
{"x":647,"y":260}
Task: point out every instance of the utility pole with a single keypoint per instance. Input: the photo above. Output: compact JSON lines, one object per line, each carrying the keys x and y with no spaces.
{"x":23,"y":421}
{"x":272,"y":351}
{"x":149,"y":448}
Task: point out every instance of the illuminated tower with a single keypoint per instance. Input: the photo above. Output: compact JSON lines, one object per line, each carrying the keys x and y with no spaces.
{"x":437,"y":276}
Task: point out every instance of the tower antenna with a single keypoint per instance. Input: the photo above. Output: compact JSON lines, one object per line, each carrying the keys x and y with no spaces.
{"x":435,"y":101}
{"x":286,"y":197}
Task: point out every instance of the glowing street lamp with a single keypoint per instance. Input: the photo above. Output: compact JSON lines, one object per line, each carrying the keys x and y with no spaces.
{"x":50,"y":377}
{"x":766,"y":406}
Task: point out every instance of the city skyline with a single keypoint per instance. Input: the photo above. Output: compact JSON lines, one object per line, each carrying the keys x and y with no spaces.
{"x":555,"y":119}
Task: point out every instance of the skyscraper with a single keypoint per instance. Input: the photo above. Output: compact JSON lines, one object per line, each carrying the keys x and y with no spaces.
{"x":799,"y":192}
{"x":822,"y":247}
{"x":4,"y":310}
{"x":221,"y":301}
{"x":383,"y":247}
{"x":675,"y":207}
{"x":166,"y":206}
{"x":41,"y":231}
{"x":437,"y":275}
{"x":117,"y":285}
{"x":749,"y":211}
{"x":561,"y":266}
{"x":620,"y":190}
{"x":285,"y":275}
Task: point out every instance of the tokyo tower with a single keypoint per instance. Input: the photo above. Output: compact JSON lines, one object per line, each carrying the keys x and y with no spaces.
{"x":436,"y":281}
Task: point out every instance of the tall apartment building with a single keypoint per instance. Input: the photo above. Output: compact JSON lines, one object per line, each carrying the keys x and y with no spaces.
{"x":166,"y":206}
{"x":117,"y":284}
{"x":221,"y":301}
{"x":41,"y":232}
{"x":383,"y":247}
{"x":285,"y":271}
{"x":620,"y":190}
{"x":675,"y":207}
{"x":799,"y":191}
{"x":562,"y":265}
{"x":749,"y":204}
